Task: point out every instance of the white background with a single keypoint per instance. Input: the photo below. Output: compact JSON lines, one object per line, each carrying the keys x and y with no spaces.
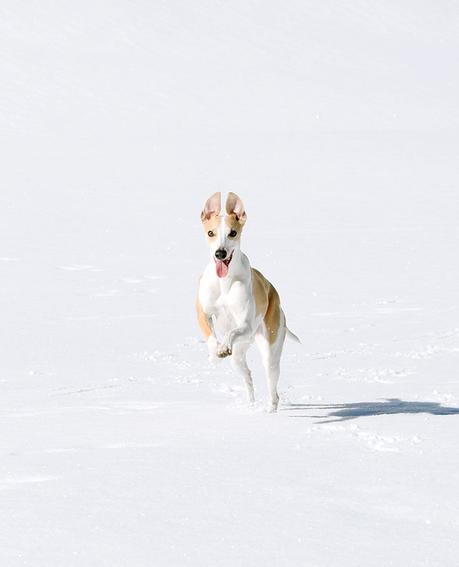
{"x":338,"y":125}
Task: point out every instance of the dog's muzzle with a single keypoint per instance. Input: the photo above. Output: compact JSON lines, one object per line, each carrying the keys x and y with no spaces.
{"x":222,"y":265}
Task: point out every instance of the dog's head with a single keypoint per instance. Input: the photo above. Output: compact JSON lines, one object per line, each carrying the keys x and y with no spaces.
{"x":223,"y":230}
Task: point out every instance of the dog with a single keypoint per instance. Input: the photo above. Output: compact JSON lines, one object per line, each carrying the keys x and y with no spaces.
{"x":237,"y":301}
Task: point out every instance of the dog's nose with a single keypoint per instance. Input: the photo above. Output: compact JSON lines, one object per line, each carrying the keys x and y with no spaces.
{"x":220,"y":254}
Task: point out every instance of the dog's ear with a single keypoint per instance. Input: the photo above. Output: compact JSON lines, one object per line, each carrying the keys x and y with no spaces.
{"x":235,"y":206}
{"x":213,"y":206}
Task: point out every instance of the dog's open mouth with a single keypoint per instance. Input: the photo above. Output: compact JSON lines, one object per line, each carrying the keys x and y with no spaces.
{"x":222,"y":266}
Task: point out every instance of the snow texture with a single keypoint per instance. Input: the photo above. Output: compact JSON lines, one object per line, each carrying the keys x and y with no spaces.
{"x":338,"y":124}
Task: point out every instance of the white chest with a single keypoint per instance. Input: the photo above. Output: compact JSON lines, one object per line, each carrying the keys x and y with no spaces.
{"x":230,"y":297}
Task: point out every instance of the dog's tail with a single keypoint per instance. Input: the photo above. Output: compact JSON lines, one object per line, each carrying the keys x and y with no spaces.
{"x":291,"y":335}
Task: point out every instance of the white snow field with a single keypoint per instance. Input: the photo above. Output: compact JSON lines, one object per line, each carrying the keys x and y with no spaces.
{"x":338,"y":125}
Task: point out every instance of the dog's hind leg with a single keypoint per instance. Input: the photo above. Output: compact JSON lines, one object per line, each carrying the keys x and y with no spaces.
{"x":271,"y":355}
{"x":239,"y":363}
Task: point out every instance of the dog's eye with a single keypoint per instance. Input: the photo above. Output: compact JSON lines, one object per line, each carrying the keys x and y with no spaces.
{"x":210,"y":233}
{"x":233,"y":233}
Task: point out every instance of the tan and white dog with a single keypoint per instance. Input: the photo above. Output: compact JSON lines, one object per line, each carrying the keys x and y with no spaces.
{"x":236,"y":301}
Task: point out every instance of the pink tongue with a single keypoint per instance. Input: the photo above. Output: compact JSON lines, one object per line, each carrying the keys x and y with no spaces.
{"x":222,"y":269}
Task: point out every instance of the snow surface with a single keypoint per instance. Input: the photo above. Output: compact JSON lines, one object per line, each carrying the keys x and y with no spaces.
{"x":338,"y":124}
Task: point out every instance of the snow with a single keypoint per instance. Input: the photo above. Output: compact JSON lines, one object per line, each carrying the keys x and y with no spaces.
{"x":338,"y":125}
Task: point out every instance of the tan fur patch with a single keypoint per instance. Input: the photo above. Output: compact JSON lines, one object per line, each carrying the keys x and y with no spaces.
{"x":211,"y":224}
{"x":233,"y":223}
{"x":272,"y":317}
{"x":267,"y":303}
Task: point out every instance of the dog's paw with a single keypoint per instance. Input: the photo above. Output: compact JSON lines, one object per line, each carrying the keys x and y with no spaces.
{"x":223,"y":351}
{"x":272,"y":406}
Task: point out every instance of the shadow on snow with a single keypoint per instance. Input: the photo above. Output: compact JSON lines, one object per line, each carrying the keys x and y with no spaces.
{"x":344,"y":412}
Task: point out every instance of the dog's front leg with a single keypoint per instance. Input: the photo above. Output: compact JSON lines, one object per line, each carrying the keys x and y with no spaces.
{"x":212,"y":342}
{"x":243,"y":311}
{"x":206,"y":323}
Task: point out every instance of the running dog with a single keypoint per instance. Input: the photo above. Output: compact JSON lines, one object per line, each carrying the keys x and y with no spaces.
{"x":237,"y":301}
